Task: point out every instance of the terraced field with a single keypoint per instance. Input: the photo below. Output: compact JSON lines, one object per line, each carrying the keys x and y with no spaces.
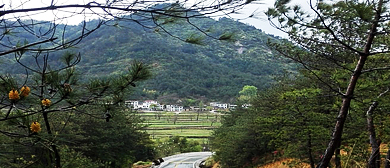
{"x":187,"y":124}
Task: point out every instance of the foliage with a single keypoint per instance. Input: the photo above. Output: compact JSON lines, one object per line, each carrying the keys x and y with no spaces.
{"x":337,"y":44}
{"x":240,"y":139}
{"x":247,"y":93}
{"x":189,"y":102}
{"x":216,"y":71}
{"x":58,"y":114}
{"x":176,"y":144}
{"x":118,"y":143}
{"x":294,"y":118}
{"x":57,"y":110}
{"x":72,"y":158}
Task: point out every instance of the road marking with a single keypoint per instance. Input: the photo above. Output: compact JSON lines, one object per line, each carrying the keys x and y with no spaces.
{"x":177,"y":163}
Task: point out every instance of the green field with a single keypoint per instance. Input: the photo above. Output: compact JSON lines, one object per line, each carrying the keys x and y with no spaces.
{"x":185,"y":124}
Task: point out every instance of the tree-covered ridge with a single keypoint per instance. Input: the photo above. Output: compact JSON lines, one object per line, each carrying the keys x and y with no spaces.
{"x":215,"y":69}
{"x":229,"y":56}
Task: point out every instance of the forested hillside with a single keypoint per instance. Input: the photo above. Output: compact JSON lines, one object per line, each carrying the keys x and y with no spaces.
{"x":335,"y":112}
{"x":227,"y":56}
{"x":62,"y":88}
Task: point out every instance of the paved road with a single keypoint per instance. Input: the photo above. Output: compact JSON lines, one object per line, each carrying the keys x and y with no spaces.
{"x":185,"y":160}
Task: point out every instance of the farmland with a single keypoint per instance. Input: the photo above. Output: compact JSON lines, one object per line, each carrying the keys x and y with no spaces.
{"x":183,"y":124}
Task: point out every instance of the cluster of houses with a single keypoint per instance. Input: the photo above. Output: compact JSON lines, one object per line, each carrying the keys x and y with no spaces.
{"x":152,"y":105}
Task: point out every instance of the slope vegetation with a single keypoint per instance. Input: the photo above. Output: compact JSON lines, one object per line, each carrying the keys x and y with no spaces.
{"x":228,"y":56}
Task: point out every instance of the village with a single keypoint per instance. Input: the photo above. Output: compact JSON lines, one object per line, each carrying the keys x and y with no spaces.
{"x":153,"y":105}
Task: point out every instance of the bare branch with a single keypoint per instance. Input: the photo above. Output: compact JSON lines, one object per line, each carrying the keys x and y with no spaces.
{"x":26,"y":46}
{"x":376,"y":69}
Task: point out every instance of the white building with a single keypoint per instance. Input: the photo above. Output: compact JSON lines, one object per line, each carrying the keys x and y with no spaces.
{"x":145,"y":105}
{"x":219,"y":105}
{"x":173,"y":108}
{"x":149,"y":102}
{"x":232,"y":106}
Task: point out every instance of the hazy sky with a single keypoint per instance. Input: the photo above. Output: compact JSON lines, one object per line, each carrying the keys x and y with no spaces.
{"x":261,"y":21}
{"x":258,"y":8}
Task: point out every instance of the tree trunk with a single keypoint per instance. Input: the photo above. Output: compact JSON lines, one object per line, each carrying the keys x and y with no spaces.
{"x":374,"y":160}
{"x":338,"y":130}
{"x":309,"y":145}
{"x":53,"y":145}
{"x":46,"y":119}
{"x":337,"y":159}
{"x":197,"y":117}
{"x":174,"y":120}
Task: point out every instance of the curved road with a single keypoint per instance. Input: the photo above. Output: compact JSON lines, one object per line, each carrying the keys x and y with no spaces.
{"x":185,"y":160}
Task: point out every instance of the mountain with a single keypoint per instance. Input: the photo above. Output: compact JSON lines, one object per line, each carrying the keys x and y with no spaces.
{"x":228,"y":55}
